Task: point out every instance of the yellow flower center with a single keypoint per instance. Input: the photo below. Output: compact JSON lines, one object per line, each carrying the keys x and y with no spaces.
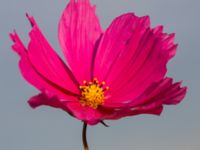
{"x":93,"y":93}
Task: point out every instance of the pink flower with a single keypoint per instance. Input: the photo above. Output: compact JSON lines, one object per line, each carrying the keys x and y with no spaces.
{"x":109,"y":74}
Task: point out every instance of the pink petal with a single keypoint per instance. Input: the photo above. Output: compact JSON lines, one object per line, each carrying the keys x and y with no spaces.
{"x":86,"y":114}
{"x":47,"y":62}
{"x":132,"y":58}
{"x":117,"y":113}
{"x":170,"y":93}
{"x":113,"y":43}
{"x":43,"y":99}
{"x":151,"y":101}
{"x":41,"y":67}
{"x":79,"y":31}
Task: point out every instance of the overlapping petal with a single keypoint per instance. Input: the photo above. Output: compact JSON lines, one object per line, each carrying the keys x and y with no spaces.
{"x":113,"y":43}
{"x":152,"y":100}
{"x":86,"y":114}
{"x":79,"y":31}
{"x":134,"y":56}
{"x":42,"y":67}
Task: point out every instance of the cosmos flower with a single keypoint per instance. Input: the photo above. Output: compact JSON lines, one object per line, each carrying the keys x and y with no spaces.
{"x":109,"y":74}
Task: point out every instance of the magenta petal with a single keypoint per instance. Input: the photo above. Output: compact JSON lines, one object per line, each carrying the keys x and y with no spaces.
{"x":150,"y":102}
{"x":117,"y":113}
{"x":113,"y":43}
{"x":43,"y":99}
{"x":47,"y":62}
{"x":40,"y":79}
{"x":170,"y":93}
{"x":78,"y":32}
{"x":86,"y":114}
{"x":164,"y":90}
{"x":137,"y":62}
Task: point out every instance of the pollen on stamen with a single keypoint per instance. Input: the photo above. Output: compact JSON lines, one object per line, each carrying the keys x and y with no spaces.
{"x":84,"y":82}
{"x":96,"y":81}
{"x":93,"y":93}
{"x":107,"y":88}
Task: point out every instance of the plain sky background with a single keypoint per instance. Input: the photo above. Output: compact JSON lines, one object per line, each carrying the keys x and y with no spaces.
{"x":22,"y":128}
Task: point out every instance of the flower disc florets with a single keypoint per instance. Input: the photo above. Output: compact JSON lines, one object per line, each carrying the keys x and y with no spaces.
{"x":93,"y":93}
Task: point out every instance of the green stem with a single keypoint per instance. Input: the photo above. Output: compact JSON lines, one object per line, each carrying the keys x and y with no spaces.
{"x":84,"y":136}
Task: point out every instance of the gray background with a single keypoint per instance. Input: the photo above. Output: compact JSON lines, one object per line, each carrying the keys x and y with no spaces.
{"x":22,"y":128}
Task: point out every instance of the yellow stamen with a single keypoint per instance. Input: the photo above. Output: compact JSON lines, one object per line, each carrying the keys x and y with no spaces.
{"x":107,"y":87}
{"x":93,"y":93}
{"x":103,"y":83}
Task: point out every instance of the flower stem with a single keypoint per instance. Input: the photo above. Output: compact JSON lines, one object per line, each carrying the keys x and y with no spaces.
{"x":84,"y":136}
